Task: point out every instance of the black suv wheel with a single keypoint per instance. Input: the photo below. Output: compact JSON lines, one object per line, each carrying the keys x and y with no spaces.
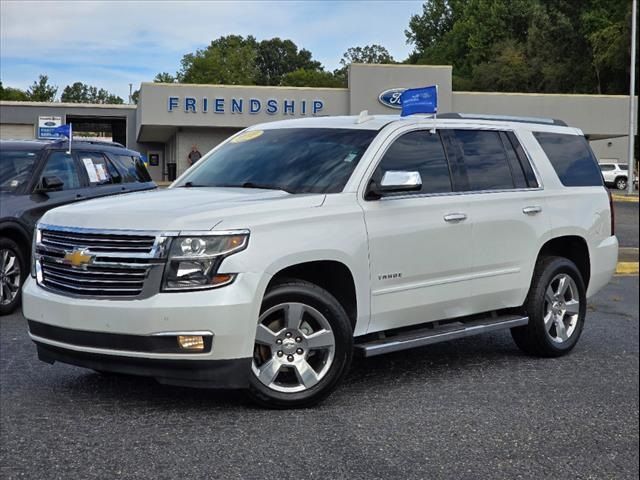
{"x":13,"y":271}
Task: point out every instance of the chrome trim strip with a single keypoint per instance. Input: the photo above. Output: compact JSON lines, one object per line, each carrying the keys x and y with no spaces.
{"x":431,"y":283}
{"x":203,"y":333}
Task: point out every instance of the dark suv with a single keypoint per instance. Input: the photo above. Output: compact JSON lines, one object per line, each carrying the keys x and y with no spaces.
{"x":36,"y":176}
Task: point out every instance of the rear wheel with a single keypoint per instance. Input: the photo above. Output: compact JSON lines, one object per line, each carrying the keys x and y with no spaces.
{"x":556,"y":306}
{"x":13,"y":270}
{"x":303,"y":346}
{"x":621,"y":183}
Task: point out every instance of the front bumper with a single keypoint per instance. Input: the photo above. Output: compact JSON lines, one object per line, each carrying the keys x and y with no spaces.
{"x":229,"y":314}
{"x":185,"y":373}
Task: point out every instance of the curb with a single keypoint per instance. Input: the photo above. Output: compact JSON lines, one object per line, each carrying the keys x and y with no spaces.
{"x":624,"y":198}
{"x":627,"y":268}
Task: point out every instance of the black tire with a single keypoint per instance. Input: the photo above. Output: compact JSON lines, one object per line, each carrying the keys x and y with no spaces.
{"x":621,"y":183}
{"x":534,"y":338}
{"x":6,"y":244}
{"x":309,"y":294}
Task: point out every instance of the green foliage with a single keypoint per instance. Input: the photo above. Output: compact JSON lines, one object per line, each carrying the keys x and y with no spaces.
{"x":165,"y":77}
{"x":229,"y":60}
{"x":41,"y":91}
{"x":82,"y":93}
{"x":13,"y":94}
{"x":548,"y":46}
{"x":311,"y":78}
{"x":276,"y":57}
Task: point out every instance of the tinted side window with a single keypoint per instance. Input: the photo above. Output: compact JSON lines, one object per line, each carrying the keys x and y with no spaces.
{"x":99,"y":169}
{"x":62,"y":165}
{"x":607,"y":168}
{"x":131,"y":168}
{"x":519,"y":179}
{"x":422,"y":152}
{"x":485,"y":159}
{"x":572,"y":159}
{"x":532,"y":181}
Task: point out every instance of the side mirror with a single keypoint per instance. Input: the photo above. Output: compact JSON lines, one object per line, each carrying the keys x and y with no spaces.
{"x":50,"y":184}
{"x":396,"y":182}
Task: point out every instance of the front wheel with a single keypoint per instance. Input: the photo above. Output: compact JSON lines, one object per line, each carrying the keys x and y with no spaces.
{"x":303,"y":346}
{"x":556,"y":306}
{"x":13,"y":271}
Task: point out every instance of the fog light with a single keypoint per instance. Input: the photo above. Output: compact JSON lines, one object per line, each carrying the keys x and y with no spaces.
{"x":191,"y":342}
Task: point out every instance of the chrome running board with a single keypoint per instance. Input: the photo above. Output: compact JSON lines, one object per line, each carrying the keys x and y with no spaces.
{"x":430,"y":335}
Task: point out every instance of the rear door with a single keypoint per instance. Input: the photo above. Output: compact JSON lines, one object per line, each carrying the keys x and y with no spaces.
{"x":419,"y":242}
{"x":99,"y":173}
{"x":134,"y":174}
{"x":507,"y":212}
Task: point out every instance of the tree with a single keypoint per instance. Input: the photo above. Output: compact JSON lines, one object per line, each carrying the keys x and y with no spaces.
{"x":82,"y":93}
{"x":311,"y":78}
{"x":368,"y":54}
{"x":13,"y":94}
{"x":276,"y":57}
{"x":135,"y":97}
{"x":165,"y":77}
{"x":41,"y":91}
{"x":229,"y":60}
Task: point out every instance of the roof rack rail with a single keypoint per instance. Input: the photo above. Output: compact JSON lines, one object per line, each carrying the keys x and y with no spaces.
{"x":93,"y":142}
{"x":504,"y":118}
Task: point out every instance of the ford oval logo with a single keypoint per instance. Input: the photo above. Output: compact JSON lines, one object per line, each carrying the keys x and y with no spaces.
{"x":50,"y":124}
{"x":391,"y":97}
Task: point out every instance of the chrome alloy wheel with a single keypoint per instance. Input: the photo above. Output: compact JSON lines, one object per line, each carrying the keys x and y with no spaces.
{"x":9,"y":276}
{"x":562,"y":308}
{"x":294,"y":347}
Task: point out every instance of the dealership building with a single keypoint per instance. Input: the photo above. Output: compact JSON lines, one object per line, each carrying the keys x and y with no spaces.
{"x":170,"y":118}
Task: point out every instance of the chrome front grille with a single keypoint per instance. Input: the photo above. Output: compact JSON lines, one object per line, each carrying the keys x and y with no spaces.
{"x":97,"y":242}
{"x":98,"y":263}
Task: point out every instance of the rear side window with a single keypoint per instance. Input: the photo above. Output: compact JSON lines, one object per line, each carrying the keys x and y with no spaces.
{"x":99,"y":169}
{"x":419,"y":151}
{"x":485,"y":160}
{"x":607,"y":168}
{"x":131,"y":168}
{"x":572,"y":159}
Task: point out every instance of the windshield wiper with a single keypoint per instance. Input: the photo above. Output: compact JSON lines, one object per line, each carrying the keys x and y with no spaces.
{"x":265,"y":186}
{"x":189,"y":185}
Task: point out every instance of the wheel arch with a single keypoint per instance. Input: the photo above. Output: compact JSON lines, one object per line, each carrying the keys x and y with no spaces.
{"x":18,"y":234}
{"x":572,"y":247}
{"x":333,"y":275}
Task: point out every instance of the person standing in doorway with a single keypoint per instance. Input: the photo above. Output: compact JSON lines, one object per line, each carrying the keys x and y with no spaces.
{"x":194,"y":155}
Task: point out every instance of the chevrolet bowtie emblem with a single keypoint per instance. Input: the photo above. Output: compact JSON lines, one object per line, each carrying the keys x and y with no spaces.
{"x":78,"y":258}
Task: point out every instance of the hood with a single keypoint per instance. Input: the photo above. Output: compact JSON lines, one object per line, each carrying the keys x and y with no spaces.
{"x":195,"y":208}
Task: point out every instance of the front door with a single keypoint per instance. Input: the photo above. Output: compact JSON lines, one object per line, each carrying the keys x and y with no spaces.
{"x":419,"y":243}
{"x":62,"y":165}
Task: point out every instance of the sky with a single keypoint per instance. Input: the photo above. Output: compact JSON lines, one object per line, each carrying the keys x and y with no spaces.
{"x":110,"y":44}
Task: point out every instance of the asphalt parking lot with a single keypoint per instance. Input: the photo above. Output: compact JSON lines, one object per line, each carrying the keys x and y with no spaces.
{"x":469,"y":409}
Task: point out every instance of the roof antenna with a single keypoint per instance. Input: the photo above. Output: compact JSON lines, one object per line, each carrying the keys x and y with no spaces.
{"x":364,"y":117}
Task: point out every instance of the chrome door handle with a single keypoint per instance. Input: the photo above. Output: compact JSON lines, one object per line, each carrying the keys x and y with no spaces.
{"x":455,"y":217}
{"x":531,"y":210}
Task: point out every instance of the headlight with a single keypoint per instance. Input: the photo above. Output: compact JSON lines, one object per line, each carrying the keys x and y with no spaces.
{"x":194,"y":260}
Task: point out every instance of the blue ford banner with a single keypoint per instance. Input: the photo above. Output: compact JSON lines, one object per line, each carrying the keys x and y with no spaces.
{"x":64,"y":130}
{"x":419,"y":100}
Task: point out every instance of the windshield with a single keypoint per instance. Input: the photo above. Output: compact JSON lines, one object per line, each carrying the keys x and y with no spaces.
{"x":15,"y":168}
{"x":296,"y":160}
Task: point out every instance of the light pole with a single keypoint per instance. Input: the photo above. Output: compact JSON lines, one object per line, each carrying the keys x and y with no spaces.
{"x":632,"y":92}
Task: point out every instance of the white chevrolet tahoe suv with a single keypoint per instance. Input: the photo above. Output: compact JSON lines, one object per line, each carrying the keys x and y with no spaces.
{"x":295,"y":244}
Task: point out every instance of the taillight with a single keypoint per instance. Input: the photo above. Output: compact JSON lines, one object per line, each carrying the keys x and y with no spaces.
{"x":613,"y":214}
